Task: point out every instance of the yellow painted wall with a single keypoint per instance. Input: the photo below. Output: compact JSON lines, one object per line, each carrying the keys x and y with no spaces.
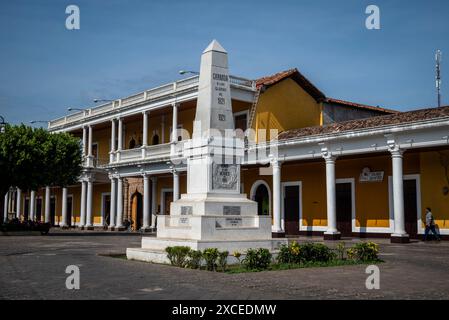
{"x":101,"y":137}
{"x":370,"y":211}
{"x":286,"y":106}
{"x":433,"y":179}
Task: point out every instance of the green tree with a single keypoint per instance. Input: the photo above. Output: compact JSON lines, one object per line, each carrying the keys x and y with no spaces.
{"x":31,"y":158}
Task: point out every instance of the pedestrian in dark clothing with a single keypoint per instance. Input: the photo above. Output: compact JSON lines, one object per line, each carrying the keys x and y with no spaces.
{"x":430,"y":225}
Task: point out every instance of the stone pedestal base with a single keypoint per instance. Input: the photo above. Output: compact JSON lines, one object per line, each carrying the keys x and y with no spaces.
{"x":153,"y":249}
{"x":332,"y":236}
{"x":399,"y":238}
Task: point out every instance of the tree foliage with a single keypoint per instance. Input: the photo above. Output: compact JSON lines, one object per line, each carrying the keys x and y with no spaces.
{"x":31,"y":158}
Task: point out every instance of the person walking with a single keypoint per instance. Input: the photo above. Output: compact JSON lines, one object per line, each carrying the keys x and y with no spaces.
{"x":430,"y":225}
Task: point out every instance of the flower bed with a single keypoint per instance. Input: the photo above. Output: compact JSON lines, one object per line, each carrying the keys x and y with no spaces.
{"x":290,"y":256}
{"x":16,"y":227}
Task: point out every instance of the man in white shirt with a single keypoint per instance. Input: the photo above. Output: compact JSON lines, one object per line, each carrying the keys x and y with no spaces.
{"x":430,"y":225}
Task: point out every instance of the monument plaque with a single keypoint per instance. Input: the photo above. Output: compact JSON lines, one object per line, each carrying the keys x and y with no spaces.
{"x":186,"y":210}
{"x":234,"y":222}
{"x":231,"y":210}
{"x":224,"y":176}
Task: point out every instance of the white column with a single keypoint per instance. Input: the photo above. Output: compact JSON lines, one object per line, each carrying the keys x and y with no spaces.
{"x":84,"y":141}
{"x":83,"y":204}
{"x":89,"y":148}
{"x":331,"y":232}
{"x":64,"y":208}
{"x":398,"y":195}
{"x":120,"y":138}
{"x":119,"y":222}
{"x":5,"y":207}
{"x":89,"y":204}
{"x":47,"y":204}
{"x":175,"y":185}
{"x":153,"y":201}
{"x":174,"y":127}
{"x":113,"y":130}
{"x":277,"y":226}
{"x":113,"y":203}
{"x":145,"y":132}
{"x":18,"y":203}
{"x":146,"y":202}
{"x":32,"y":205}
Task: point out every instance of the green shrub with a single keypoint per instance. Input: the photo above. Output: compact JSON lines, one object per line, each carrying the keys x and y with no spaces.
{"x":341,"y":249}
{"x":210,"y":255}
{"x":290,"y":253}
{"x":223,"y":260}
{"x":178,"y":255}
{"x":364,"y":251}
{"x":257,"y":259}
{"x":237,"y":255}
{"x":316,"y":252}
{"x":195,"y":258}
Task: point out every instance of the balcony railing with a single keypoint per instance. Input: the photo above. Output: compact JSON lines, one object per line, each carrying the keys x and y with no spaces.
{"x":154,"y":152}
{"x":148,"y":95}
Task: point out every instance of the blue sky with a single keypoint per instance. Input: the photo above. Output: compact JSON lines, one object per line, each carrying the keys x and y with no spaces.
{"x":126,"y":46}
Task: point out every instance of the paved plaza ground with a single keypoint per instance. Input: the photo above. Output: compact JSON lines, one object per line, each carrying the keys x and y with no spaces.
{"x":33,"y":267}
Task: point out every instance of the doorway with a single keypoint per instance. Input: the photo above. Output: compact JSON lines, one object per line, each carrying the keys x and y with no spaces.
{"x":106,"y":209}
{"x":291,"y":207}
{"x":410,"y":207}
{"x":52,"y":210}
{"x":166,"y":199}
{"x":262,"y":197}
{"x":38,"y":216}
{"x":69,"y":210}
{"x":26,"y":209}
{"x":136,"y":211}
{"x":344,"y":203}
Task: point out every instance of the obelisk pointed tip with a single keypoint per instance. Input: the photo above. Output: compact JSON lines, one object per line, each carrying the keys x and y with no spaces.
{"x":215,"y":46}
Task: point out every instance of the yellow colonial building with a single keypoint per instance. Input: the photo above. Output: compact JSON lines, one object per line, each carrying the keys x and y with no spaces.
{"x":315,"y":164}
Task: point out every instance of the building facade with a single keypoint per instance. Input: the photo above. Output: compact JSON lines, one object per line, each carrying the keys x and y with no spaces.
{"x":316,"y":165}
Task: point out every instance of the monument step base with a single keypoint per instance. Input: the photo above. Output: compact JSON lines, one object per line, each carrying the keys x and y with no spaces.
{"x":159,"y":244}
{"x":157,"y":253}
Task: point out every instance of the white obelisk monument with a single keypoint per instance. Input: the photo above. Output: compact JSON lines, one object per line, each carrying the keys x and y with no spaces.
{"x":213,"y":213}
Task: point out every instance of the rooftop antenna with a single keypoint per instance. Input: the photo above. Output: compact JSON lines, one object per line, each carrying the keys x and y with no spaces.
{"x":438,"y":77}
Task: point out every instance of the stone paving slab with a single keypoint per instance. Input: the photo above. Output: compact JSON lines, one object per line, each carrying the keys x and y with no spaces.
{"x":34,"y":268}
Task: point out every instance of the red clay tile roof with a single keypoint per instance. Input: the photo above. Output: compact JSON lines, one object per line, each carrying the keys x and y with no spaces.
{"x":373,"y":122}
{"x":296,"y":76}
{"x":358,"y":105}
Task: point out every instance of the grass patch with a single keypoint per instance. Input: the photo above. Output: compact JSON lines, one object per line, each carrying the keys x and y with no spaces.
{"x":288,"y":266}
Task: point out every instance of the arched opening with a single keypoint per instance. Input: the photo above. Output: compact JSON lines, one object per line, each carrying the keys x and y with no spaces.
{"x":137,"y":211}
{"x":260,"y":192}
